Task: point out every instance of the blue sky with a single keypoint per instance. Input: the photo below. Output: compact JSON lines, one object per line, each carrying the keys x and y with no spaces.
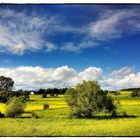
{"x":71,"y":43}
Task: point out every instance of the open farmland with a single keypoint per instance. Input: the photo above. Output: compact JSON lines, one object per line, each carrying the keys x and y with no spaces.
{"x":55,"y":120}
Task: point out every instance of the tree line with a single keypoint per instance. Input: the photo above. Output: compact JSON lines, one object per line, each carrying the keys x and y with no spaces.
{"x":7,"y":92}
{"x":51,"y":92}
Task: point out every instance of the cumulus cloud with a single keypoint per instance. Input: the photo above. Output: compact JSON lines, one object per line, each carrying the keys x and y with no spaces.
{"x":131,"y":80}
{"x":122,"y":78}
{"x":28,"y":77}
{"x":90,"y":73}
{"x":39,"y":77}
{"x":122,"y":72}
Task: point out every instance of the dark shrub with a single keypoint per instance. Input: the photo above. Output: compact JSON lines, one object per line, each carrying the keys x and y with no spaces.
{"x":2,"y":115}
{"x":46,"y":106}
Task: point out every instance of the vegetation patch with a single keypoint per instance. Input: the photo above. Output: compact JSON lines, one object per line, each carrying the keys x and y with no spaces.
{"x":15,"y":107}
{"x":87,"y":99}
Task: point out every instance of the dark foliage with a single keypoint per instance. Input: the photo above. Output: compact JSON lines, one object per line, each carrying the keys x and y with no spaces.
{"x":115,"y":92}
{"x":51,"y":92}
{"x":135,"y":93}
{"x":2,"y":115}
{"x":6,"y":93}
{"x":6,"y":83}
{"x":46,"y":106}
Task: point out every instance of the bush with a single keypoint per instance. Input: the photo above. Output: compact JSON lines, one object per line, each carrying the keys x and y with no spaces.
{"x":15,"y":107}
{"x":87,"y":99}
{"x":46,"y":106}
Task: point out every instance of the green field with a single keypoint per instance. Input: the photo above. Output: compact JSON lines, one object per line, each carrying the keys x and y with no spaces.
{"x":55,"y":121}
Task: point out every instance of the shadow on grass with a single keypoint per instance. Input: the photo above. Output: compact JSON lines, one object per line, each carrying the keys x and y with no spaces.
{"x":57,"y":108}
{"x":29,"y":117}
{"x":26,"y":117}
{"x":106,"y":117}
{"x":32,"y":100}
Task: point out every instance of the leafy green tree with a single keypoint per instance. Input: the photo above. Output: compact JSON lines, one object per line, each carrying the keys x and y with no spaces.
{"x":87,"y":98}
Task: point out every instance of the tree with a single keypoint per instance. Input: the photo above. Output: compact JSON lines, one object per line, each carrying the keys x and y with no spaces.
{"x":6,"y":86}
{"x":63,"y":90}
{"x":5,"y":96}
{"x":41,"y":91}
{"x":87,"y":98}
{"x":6,"y":83}
{"x":6,"y":93}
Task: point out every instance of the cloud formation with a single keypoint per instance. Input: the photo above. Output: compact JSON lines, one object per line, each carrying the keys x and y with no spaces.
{"x":122,"y":78}
{"x":39,"y":77}
{"x":115,"y":23}
{"x":125,"y":71}
{"x":21,"y":32}
{"x":28,"y":77}
{"x":110,"y":25}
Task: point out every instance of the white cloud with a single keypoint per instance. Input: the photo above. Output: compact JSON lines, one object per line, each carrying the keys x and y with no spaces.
{"x":77,"y":47}
{"x":28,"y":77}
{"x":110,"y":25}
{"x":39,"y":77}
{"x":20,"y":32}
{"x":114,"y":24}
{"x":105,"y":28}
{"x":50,"y":47}
{"x":122,"y":78}
{"x":129,"y":81}
{"x":122,"y":72}
{"x":36,"y":77}
{"x":90,"y":73}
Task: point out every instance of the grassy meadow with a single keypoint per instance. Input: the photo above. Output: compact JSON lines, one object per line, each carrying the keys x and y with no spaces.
{"x":55,"y":120}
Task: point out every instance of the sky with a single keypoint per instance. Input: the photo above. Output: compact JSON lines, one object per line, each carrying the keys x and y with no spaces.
{"x":60,"y":45}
